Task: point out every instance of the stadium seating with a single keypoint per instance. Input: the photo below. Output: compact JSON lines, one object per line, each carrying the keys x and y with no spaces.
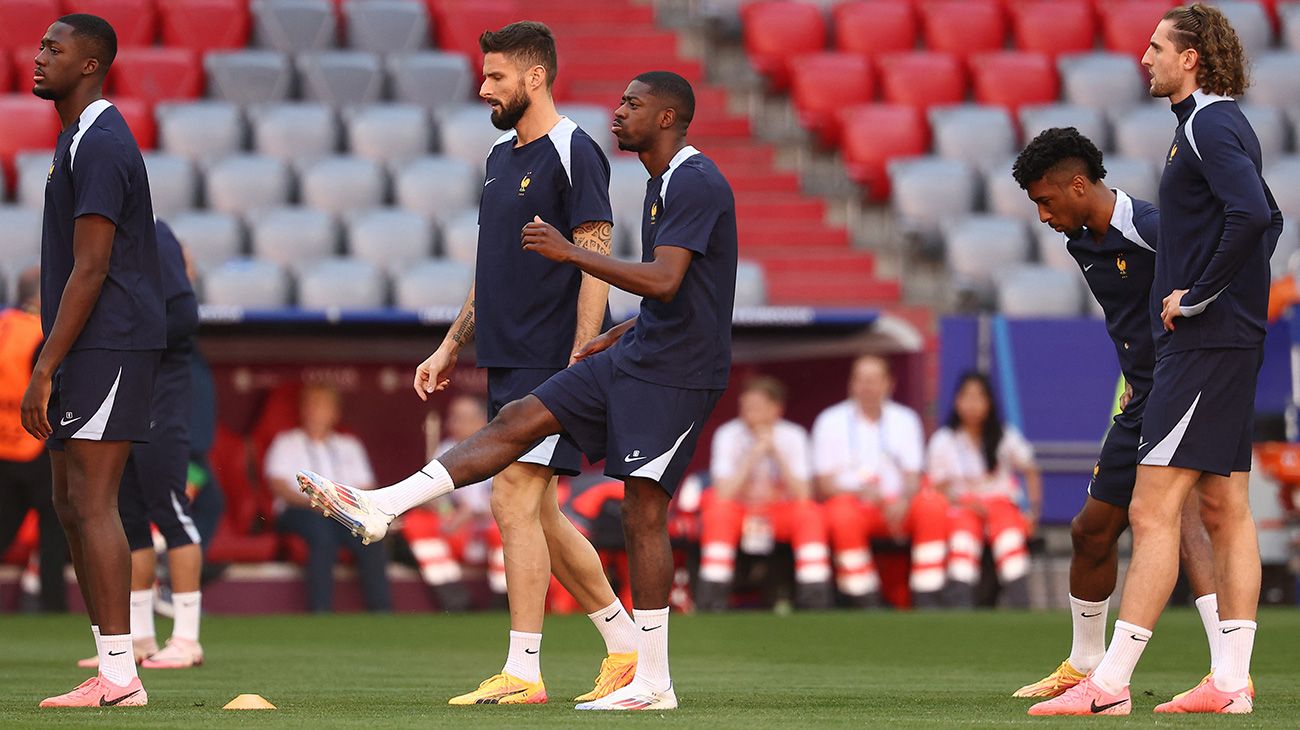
{"x":390,"y":238}
{"x":294,"y":131}
{"x":1090,"y":122}
{"x":1040,"y":291}
{"x":872,"y":27}
{"x":25,"y":23}
{"x":387,"y":26}
{"x":874,"y":135}
{"x":240,"y":184}
{"x":340,"y":185}
{"x":1013,"y":79}
{"x":21,"y":243}
{"x":1270,"y":125}
{"x":432,"y":79}
{"x":1054,"y":27}
{"x":466,"y":134}
{"x":156,"y":74}
{"x":1275,"y":78}
{"x":980,"y":249}
{"x":210,"y":238}
{"x":1136,"y":176}
{"x":1050,"y":246}
{"x":248,"y":283}
{"x":962,"y":27}
{"x":1289,"y":16}
{"x":204,"y":25}
{"x":777,"y":31}
{"x":341,"y":283}
{"x":458,"y":25}
{"x":139,"y":116}
{"x":818,"y":100}
{"x":1283,"y":176}
{"x":433,"y":283}
{"x":980,"y":135}
{"x":1145,"y":132}
{"x":922,"y":78}
{"x":1105,"y":81}
{"x":341,"y":78}
{"x":25,"y":123}
{"x":927,"y":191}
{"x":388,"y":133}
{"x":134,"y":21}
{"x":249,"y":76}
{"x":460,"y":237}
{"x":200,"y":131}
{"x":33,"y":168}
{"x":172,"y":183}
{"x":627,"y":187}
{"x":436,"y":187}
{"x":1126,"y":27}
{"x":292,"y":236}
{"x":751,"y":289}
{"x":1250,"y":20}
{"x":292,"y":26}
{"x":1003,"y":195}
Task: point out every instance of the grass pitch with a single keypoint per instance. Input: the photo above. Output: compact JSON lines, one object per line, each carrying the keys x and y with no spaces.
{"x":896,"y":670}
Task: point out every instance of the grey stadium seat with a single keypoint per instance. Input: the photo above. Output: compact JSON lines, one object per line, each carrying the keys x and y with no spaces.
{"x":343,"y":283}
{"x":294,"y":131}
{"x":1251,"y":21}
{"x":33,"y":170}
{"x":339,"y":185}
{"x":431,"y":79}
{"x":624,"y":305}
{"x":437,"y":187}
{"x":466,"y":133}
{"x":292,"y":236}
{"x":341,"y":78}
{"x":1003,"y":195}
{"x":21,"y":240}
{"x":1051,"y":249}
{"x":751,"y":286}
{"x":1275,"y":77}
{"x":244,"y":183}
{"x":387,"y":26}
{"x":433,"y":283}
{"x":247,"y":283}
{"x":594,"y":120}
{"x":460,"y":237}
{"x":388,"y":133}
{"x":200,"y":130}
{"x":1145,"y":132}
{"x":1290,"y":17}
{"x":627,"y":186}
{"x":1104,"y":81}
{"x":1283,"y":177}
{"x":1137,"y":177}
{"x":249,"y":77}
{"x":173,"y":183}
{"x":1040,"y":291}
{"x":389,"y":238}
{"x":981,"y":248}
{"x":291,"y":26}
{"x":929,"y":190}
{"x":1270,"y":126}
{"x":1090,"y":122}
{"x":210,"y":238}
{"x":980,"y":135}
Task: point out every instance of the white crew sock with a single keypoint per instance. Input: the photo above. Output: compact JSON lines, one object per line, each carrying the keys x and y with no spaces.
{"x":524,"y":660}
{"x":431,"y":482}
{"x":142,"y":615}
{"x":94,"y":631}
{"x":1089,"y":644}
{"x":1115,"y":671}
{"x":1236,"y":642}
{"x":187,"y":606}
{"x":1208,"y":606}
{"x":117,"y":659}
{"x":616,"y":627}
{"x":652,"y":654}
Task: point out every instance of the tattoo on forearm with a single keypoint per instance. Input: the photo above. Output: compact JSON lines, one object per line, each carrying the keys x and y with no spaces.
{"x":594,"y":236}
{"x":465,"y":327}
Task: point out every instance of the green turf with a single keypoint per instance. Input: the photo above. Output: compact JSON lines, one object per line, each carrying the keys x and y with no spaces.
{"x":751,"y":670}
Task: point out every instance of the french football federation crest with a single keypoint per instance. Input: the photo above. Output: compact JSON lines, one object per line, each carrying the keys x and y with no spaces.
{"x":1122,"y":265}
{"x":1172,"y":151}
{"x":523,"y":184}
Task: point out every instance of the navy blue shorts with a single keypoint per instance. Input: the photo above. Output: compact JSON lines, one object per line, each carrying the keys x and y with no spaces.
{"x":1201,"y":412}
{"x":103,"y":395}
{"x":641,"y":429}
{"x":506,"y":385}
{"x":1116,"y":469}
{"x":153,"y":483}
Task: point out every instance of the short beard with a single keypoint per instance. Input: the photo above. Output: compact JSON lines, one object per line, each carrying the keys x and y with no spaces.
{"x":1162,"y":91}
{"x":511,"y":112}
{"x":45,"y":93}
{"x":631,"y":145}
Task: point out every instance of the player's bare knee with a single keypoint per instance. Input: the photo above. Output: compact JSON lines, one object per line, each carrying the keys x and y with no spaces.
{"x":512,"y":508}
{"x":522,"y":421}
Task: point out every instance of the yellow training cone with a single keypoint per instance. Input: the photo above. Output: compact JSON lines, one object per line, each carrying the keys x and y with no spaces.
{"x":249,"y":702}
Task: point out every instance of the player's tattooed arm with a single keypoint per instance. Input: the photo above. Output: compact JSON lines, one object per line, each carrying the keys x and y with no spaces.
{"x":434,"y":373}
{"x":658,"y":279}
{"x":593,"y":295}
{"x":462,"y":330}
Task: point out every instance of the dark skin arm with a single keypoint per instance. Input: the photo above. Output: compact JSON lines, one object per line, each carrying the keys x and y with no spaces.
{"x":92,"y":244}
{"x":658,"y":279}
{"x":603,"y":341}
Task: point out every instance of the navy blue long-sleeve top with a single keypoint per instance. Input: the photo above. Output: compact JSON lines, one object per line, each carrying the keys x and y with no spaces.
{"x":1219,"y":225}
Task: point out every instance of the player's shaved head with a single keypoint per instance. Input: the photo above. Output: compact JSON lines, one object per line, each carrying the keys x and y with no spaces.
{"x":674,"y":91}
{"x":96,"y":37}
{"x":1058,"y":151}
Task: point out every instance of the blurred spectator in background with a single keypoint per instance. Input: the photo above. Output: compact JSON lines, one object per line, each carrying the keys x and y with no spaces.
{"x":317,"y":445}
{"x":975,"y":460}
{"x":448,"y":533}
{"x":25,"y":482}
{"x":761,"y":468}
{"x":868,"y":452}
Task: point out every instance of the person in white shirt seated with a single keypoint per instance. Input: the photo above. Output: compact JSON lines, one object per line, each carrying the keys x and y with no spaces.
{"x":977,"y":461}
{"x":761,"y":495}
{"x":316,"y":444}
{"x":446,"y":534}
{"x":868,"y":453}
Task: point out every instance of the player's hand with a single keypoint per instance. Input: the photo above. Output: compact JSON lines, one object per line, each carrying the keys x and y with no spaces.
{"x":1173,"y":307}
{"x":602,"y":341}
{"x":434,"y":374}
{"x":1126,"y":396}
{"x":36,"y":402}
{"x":541,"y":237}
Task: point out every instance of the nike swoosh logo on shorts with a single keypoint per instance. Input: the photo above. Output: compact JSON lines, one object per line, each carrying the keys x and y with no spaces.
{"x":629,"y":459}
{"x":65,"y":421}
{"x":1089,"y":266}
{"x":489,"y":182}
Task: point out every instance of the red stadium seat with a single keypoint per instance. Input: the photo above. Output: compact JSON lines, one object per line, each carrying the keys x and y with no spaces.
{"x":138,"y":114}
{"x":26,"y":123}
{"x":1126,"y":27}
{"x":23,"y":22}
{"x":963,"y":28}
{"x":1013,"y":79}
{"x":458,"y":25}
{"x":922,"y":79}
{"x":6,"y":73}
{"x":871,"y":27}
{"x":823,"y":83}
{"x":776,"y":32}
{"x":156,"y":74}
{"x":134,"y":21}
{"x":205,"y":25}
{"x":874,"y":134}
{"x":1055,"y":27}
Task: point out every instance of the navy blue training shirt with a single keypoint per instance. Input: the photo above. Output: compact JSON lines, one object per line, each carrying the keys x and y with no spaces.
{"x":1119,"y":270}
{"x":686,"y":342}
{"x":1219,"y":225}
{"x":182,"y":305}
{"x":525,"y":304}
{"x":98,"y":170}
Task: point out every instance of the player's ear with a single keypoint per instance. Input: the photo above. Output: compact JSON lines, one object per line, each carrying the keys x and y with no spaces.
{"x":90,"y":66}
{"x":536,"y":78}
{"x":1190,"y":58}
{"x":667,"y":118}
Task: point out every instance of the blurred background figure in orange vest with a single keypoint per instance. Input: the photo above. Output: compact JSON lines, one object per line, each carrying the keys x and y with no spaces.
{"x":24,"y":463}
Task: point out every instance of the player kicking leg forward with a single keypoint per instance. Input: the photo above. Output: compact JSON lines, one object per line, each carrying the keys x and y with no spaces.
{"x":1113,"y":238}
{"x":1219,"y":224}
{"x":103,"y":317}
{"x":639,"y":393}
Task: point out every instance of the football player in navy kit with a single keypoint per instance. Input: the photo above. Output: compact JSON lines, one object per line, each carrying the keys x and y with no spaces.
{"x":105,"y":325}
